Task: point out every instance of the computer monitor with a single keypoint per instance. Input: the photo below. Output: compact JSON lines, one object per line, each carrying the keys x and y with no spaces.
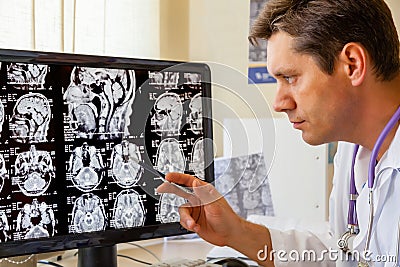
{"x":77,"y":133}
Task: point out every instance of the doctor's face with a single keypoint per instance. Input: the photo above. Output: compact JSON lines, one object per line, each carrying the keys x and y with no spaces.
{"x":316,"y":103}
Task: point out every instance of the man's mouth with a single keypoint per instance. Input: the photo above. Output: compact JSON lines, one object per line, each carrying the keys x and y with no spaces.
{"x":297,"y":124}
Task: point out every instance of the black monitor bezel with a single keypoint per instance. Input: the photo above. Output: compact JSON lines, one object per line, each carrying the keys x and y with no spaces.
{"x":110,"y":237}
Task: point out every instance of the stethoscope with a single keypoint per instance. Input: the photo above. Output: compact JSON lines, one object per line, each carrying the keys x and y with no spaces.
{"x":352,"y":219}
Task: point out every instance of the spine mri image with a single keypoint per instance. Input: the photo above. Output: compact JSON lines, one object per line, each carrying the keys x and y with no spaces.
{"x":72,"y":140}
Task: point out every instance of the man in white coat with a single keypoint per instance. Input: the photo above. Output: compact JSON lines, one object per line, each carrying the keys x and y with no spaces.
{"x":337,"y":67}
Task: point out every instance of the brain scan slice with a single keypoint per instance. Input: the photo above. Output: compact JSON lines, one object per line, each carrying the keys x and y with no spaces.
{"x":197,"y":164}
{"x":170,"y":157}
{"x":124,"y":163}
{"x":128,"y":210}
{"x":99,"y":102}
{"x":3,"y":172}
{"x":196,"y":114}
{"x":30,"y":119}
{"x":86,"y":167}
{"x":1,"y":115}
{"x":34,"y":171}
{"x":167,"y":117}
{"x":88,"y":214}
{"x":26,"y":76}
{"x":36,"y":220}
{"x":168,"y":207}
{"x":192,"y":78}
{"x":4,"y":227}
{"x":164,"y":79}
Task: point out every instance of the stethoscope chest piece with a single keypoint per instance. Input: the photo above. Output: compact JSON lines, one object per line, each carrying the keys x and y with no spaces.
{"x":345,"y":242}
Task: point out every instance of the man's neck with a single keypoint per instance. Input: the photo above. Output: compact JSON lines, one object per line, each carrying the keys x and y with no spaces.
{"x":380,"y":105}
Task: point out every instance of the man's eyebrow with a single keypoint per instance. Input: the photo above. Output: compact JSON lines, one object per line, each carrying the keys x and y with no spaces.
{"x":283,"y":72}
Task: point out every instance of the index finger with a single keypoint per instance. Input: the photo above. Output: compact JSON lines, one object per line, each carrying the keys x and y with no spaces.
{"x":180,"y":178}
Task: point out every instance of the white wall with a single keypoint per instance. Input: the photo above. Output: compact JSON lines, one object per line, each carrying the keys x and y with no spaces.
{"x":395,"y":7}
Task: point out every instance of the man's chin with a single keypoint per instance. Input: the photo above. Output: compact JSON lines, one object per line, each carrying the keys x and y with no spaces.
{"x":312,"y":140}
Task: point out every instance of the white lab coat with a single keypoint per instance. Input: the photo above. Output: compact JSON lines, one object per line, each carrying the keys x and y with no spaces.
{"x":386,"y":212}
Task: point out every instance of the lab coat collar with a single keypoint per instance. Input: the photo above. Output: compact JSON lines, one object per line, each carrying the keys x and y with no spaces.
{"x":391,"y":158}
{"x":389,"y":162}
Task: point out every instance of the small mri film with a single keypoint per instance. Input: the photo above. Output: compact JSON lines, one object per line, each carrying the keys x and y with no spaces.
{"x":24,"y":76}
{"x":170,"y":157}
{"x":164,"y":79}
{"x":196,"y":114}
{"x":128,"y":210}
{"x":29,"y":122}
{"x":197,"y":164}
{"x":168,"y":112}
{"x":88,"y":214}
{"x":3,"y":172}
{"x":192,"y":78}
{"x":86,"y":167}
{"x":34,"y":171}
{"x":99,"y":102}
{"x":124,"y":163}
{"x":4,"y":227}
{"x":36,"y":220}
{"x":1,"y":116}
{"x":168,"y":207}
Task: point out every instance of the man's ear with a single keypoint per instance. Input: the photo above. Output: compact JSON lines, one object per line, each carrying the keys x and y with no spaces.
{"x":354,"y":59}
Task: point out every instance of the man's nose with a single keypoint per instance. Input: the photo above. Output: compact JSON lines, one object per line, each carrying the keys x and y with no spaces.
{"x":283,"y":100}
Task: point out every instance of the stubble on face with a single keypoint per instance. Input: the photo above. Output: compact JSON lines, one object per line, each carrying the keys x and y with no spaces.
{"x":316,"y":103}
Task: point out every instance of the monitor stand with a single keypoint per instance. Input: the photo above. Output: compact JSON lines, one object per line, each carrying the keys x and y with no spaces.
{"x":98,"y":256}
{"x":20,"y":261}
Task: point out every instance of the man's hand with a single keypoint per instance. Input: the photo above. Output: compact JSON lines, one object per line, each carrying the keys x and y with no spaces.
{"x":207,"y":213}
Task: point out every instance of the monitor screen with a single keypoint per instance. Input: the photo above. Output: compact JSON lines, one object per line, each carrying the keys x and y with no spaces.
{"x":76,"y":134}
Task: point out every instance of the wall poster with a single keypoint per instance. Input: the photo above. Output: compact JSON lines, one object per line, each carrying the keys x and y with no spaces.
{"x":257,"y":71}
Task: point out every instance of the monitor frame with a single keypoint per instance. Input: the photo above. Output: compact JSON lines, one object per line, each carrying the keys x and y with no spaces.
{"x":108,"y":237}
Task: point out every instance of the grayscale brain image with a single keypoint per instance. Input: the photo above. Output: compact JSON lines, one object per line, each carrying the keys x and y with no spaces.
{"x":75,"y":140}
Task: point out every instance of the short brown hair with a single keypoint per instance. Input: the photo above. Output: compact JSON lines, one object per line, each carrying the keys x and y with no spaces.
{"x":321,"y":28}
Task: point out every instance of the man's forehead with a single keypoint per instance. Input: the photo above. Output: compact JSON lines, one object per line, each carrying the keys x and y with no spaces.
{"x":281,"y":57}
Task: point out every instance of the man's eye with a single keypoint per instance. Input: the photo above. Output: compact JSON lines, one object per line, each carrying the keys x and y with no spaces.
{"x":289,"y":79}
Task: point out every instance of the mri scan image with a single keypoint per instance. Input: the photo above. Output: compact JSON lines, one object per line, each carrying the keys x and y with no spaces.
{"x":3,"y":172}
{"x":168,"y":111}
{"x":4,"y":227}
{"x":29,"y":122}
{"x":192,"y":78}
{"x":170,"y":157}
{"x":86,"y":167}
{"x":168,"y":207}
{"x":99,"y":102}
{"x":243,"y":182}
{"x":1,"y":115}
{"x":124,"y":163}
{"x":36,"y":220}
{"x":34,"y":171}
{"x":26,"y":76}
{"x":164,"y":79}
{"x":128,"y":210}
{"x":196,"y":114}
{"x":88,"y":214}
{"x":197,"y":163}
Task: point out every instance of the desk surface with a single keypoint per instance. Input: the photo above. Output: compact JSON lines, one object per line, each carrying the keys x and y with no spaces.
{"x":163,"y":248}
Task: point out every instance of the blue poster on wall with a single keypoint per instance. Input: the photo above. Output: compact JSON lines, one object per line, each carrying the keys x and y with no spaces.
{"x":260,"y":74}
{"x":257,"y":71}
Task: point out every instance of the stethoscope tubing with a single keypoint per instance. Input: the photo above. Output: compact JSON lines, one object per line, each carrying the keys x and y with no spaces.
{"x":352,"y":215}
